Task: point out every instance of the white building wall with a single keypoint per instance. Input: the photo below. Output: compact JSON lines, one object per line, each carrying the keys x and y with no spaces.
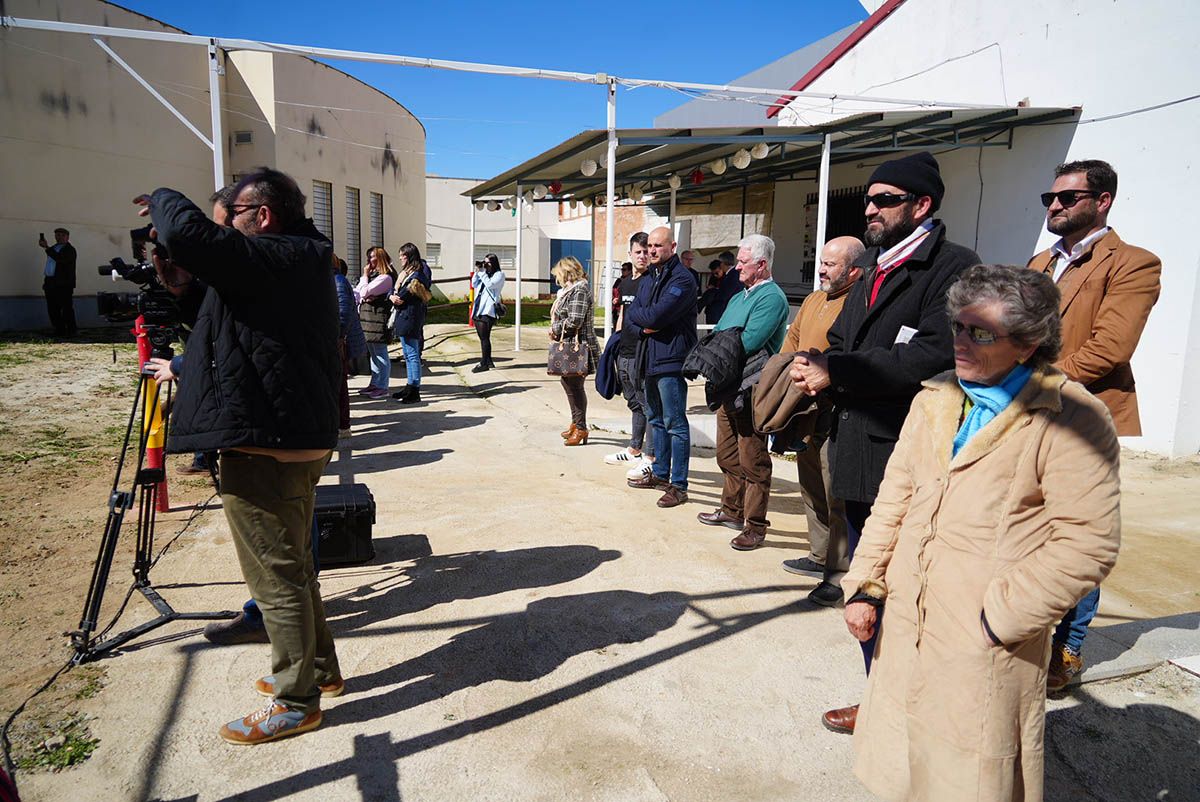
{"x":448,"y":223}
{"x":1109,"y":58}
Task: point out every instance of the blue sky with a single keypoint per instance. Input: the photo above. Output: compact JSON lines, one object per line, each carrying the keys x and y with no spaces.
{"x":480,"y":125}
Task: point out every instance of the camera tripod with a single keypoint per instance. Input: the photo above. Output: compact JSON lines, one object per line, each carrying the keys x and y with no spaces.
{"x":143,"y":490}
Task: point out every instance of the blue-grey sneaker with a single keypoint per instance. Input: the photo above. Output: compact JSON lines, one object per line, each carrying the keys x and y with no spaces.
{"x":268,"y":724}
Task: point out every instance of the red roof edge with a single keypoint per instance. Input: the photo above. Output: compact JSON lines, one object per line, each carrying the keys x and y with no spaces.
{"x":844,"y":47}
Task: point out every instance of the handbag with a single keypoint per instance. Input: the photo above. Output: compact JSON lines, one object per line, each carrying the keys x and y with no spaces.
{"x":568,"y":358}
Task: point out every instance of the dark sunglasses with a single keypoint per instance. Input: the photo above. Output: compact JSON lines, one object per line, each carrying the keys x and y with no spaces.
{"x":1068,"y":197}
{"x":886,"y":200}
{"x":976,"y":334}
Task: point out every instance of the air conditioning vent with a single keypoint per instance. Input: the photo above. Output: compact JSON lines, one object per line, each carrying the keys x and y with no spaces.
{"x":243,"y":137}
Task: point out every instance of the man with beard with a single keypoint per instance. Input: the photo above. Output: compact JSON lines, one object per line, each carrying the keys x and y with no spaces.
{"x":892,"y":334}
{"x":1108,"y":288}
{"x":826,"y":516}
{"x":260,"y":384}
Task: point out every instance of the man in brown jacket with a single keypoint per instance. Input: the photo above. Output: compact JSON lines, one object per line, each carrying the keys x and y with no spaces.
{"x":827,"y":557}
{"x":1108,"y":288}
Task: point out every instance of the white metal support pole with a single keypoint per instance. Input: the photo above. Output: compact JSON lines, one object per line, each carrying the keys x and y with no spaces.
{"x":472,"y":252}
{"x":215,"y":71}
{"x":822,"y":209}
{"x":517,"y":266}
{"x":671,"y":214}
{"x":610,"y":223}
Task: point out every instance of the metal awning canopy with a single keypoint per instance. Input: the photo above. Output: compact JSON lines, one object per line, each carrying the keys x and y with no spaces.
{"x":649,"y":156}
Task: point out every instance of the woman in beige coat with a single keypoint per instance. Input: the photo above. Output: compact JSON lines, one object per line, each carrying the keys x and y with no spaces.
{"x":997,"y":513}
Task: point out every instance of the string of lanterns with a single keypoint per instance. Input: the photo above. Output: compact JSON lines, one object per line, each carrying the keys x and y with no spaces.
{"x":589,"y":167}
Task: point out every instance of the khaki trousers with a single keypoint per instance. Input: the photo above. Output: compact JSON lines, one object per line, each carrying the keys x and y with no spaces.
{"x":745,"y":462}
{"x":827,"y":540}
{"x":269,"y":506}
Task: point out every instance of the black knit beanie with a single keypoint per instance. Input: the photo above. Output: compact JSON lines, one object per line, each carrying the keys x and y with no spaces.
{"x":917,"y":173}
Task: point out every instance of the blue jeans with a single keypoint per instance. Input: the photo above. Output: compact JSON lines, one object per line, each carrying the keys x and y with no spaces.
{"x":1071,"y":631}
{"x":666,"y":402}
{"x":412,"y":359}
{"x":381,"y":365}
{"x":856,"y":517}
{"x":250,"y":608}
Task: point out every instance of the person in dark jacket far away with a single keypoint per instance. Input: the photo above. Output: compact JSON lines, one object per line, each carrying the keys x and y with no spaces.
{"x":761,"y":312}
{"x":729,"y":285}
{"x":58,"y":284}
{"x":892,"y":334}
{"x":665,"y":309}
{"x":262,"y":387}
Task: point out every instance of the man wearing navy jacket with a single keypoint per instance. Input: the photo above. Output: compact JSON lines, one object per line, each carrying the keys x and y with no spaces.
{"x":665,"y":309}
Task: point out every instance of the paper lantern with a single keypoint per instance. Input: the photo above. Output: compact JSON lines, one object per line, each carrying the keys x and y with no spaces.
{"x":741,"y":159}
{"x":480,"y":205}
{"x":674,"y":182}
{"x":697,"y":177}
{"x":508,"y":203}
{"x":539,"y":191}
{"x":587,"y":203}
{"x":760,"y":150}
{"x":636,"y":193}
{"x":555,"y":187}
{"x":718,"y":167}
{"x":493,"y":206}
{"x":589,"y":167}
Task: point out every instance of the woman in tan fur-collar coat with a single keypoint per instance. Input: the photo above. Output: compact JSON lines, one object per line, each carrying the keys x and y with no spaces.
{"x":998,"y":512}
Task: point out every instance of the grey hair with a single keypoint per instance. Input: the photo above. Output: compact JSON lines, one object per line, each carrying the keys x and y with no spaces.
{"x":1029,"y":299}
{"x":760,"y":247}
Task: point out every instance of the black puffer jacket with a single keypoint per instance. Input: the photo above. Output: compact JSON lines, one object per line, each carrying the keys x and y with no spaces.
{"x":262,"y":367}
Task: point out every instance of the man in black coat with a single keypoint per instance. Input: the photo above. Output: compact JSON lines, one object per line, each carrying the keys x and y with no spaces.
{"x":892,"y":334}
{"x":261,"y":384}
{"x":58,"y":283}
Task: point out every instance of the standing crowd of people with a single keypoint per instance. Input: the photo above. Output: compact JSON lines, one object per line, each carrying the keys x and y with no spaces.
{"x":955,"y":424}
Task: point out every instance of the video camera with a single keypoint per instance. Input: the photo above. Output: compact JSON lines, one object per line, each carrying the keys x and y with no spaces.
{"x":156,"y":305}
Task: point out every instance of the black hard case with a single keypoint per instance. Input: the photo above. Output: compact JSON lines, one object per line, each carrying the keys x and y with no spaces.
{"x":344,"y":516}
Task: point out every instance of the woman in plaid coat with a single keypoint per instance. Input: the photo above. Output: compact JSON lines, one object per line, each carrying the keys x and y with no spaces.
{"x":573,"y":319}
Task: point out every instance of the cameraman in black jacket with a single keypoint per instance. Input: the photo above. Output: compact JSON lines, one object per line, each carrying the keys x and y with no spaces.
{"x":260,"y":385}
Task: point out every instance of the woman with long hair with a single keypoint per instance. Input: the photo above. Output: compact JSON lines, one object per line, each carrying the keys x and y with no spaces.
{"x":374,"y":308}
{"x":411,"y":298}
{"x":573,"y":318}
{"x":487,"y":283}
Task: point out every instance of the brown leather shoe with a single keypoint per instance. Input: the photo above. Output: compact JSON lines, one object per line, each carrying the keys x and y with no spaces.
{"x":673,"y":497}
{"x":840,"y":720}
{"x":570,"y":430}
{"x":1065,"y":665}
{"x":718,"y":518}
{"x":578,"y":437}
{"x":648,"y":482}
{"x":750,"y":538}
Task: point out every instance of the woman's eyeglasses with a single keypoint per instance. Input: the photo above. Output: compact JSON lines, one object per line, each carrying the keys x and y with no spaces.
{"x":1068,"y":197}
{"x":976,"y":334}
{"x":886,"y":200}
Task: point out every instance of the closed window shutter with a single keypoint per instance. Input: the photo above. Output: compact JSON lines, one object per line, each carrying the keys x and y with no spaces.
{"x":322,"y":206}
{"x":376,"y":219}
{"x":354,"y":256}
{"x":433,"y":254}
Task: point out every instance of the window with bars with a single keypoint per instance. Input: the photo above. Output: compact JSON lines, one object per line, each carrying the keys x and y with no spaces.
{"x":433,"y":254}
{"x":354,"y":256}
{"x":376,"y":219}
{"x":322,"y":207}
{"x":507,"y":254}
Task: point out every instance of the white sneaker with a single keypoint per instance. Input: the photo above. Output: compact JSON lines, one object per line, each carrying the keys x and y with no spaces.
{"x":641,"y":467}
{"x":622,"y":457}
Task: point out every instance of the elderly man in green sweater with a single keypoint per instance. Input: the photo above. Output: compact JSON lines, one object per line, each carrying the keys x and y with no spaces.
{"x":761,"y":311}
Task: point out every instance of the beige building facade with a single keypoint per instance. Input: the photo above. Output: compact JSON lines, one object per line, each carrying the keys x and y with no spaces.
{"x":79,"y":138}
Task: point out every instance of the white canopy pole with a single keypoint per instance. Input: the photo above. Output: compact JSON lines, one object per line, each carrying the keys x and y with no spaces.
{"x":472,"y":256}
{"x":610,"y":191}
{"x":517,"y":266}
{"x":671,"y":214}
{"x":215,"y":71}
{"x":822,"y":209}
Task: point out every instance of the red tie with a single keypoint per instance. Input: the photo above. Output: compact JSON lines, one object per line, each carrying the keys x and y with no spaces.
{"x":880,"y":275}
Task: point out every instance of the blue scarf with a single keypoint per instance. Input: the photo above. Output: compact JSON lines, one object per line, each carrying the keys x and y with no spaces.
{"x":988,"y":402}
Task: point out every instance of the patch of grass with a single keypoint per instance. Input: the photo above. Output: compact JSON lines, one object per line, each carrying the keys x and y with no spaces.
{"x":533,"y":313}
{"x":71,"y":745}
{"x":92,"y":683}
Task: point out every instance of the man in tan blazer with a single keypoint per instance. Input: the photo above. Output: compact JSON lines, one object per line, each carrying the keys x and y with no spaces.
{"x":828,"y":545}
{"x":1108,"y":288}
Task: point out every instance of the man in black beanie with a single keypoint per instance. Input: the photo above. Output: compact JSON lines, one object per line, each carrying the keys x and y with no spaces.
{"x":892,"y":334}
